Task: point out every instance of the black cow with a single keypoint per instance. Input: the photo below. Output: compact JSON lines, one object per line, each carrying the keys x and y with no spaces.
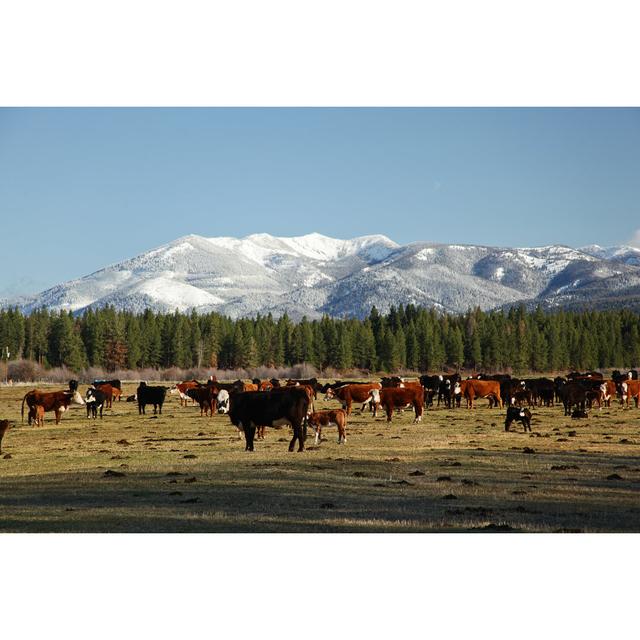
{"x":205,"y":396}
{"x":150,"y":395}
{"x":536,"y":386}
{"x":546,"y":396}
{"x":558,"y":385}
{"x":520,"y":397}
{"x":4,"y":426}
{"x":95,"y":400}
{"x":250,"y":410}
{"x":573,"y":394}
{"x":498,"y":377}
{"x":114,"y":383}
{"x":509,"y":387}
{"x":446,"y":389}
{"x":335,"y":385}
{"x":515,"y":414}
{"x":431,"y":384}
{"x":390,"y":381}
{"x":618,"y":377}
{"x":73,"y":385}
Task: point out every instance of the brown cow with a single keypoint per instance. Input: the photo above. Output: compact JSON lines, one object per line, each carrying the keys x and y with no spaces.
{"x":56,"y":401}
{"x":630,"y":389}
{"x":307,"y":388}
{"x":108,"y":391}
{"x":354,"y":393}
{"x":594,"y":396}
{"x":399,"y":397}
{"x":327,"y":418}
{"x":472,"y":389}
{"x":4,"y":426}
{"x":181,"y":390}
{"x":609,"y":390}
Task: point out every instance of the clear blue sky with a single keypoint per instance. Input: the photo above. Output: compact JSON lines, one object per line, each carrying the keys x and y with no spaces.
{"x":82,"y":188}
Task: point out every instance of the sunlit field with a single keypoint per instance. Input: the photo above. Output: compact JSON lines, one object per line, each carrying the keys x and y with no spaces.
{"x":456,"y":471}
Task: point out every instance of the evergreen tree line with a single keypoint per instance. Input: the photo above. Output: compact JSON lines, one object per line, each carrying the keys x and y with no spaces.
{"x":409,"y":338}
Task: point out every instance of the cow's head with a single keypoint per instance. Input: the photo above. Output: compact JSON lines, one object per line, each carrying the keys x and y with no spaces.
{"x":75,"y":398}
{"x":330,"y":394}
{"x":374,"y":394}
{"x":457,"y":389}
{"x":223,"y":401}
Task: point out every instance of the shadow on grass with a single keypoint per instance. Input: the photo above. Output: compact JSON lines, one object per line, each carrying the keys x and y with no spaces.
{"x":486,"y":492}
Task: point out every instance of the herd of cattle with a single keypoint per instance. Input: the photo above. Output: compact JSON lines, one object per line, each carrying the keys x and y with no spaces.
{"x":253,"y":406}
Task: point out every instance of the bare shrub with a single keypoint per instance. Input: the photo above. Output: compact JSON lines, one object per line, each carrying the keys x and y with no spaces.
{"x":24,"y":371}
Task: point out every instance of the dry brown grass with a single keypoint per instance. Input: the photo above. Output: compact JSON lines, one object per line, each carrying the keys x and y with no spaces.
{"x":457,"y":471}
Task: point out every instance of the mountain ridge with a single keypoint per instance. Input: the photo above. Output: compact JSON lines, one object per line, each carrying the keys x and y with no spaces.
{"x":315,"y":274}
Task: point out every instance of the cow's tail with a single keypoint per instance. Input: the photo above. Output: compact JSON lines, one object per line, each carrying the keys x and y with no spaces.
{"x":23,"y":401}
{"x":305,"y":424}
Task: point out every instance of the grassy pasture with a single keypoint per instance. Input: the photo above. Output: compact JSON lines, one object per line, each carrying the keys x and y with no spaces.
{"x":457,"y":471}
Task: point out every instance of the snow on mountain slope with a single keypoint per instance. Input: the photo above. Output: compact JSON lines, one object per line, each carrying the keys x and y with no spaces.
{"x":622,"y":253}
{"x":314,"y":274}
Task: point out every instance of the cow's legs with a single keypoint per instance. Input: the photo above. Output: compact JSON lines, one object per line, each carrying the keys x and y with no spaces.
{"x":249,"y":433}
{"x":296,"y":434}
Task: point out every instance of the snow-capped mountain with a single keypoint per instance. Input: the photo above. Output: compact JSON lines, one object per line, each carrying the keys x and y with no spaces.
{"x":314,"y":274}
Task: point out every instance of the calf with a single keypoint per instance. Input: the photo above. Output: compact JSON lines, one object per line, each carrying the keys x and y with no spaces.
{"x":36,"y":414}
{"x":95,"y":399}
{"x":594,"y":396}
{"x":337,"y":417}
{"x":4,"y":427}
{"x":516,"y":414}
{"x":579,"y":413}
